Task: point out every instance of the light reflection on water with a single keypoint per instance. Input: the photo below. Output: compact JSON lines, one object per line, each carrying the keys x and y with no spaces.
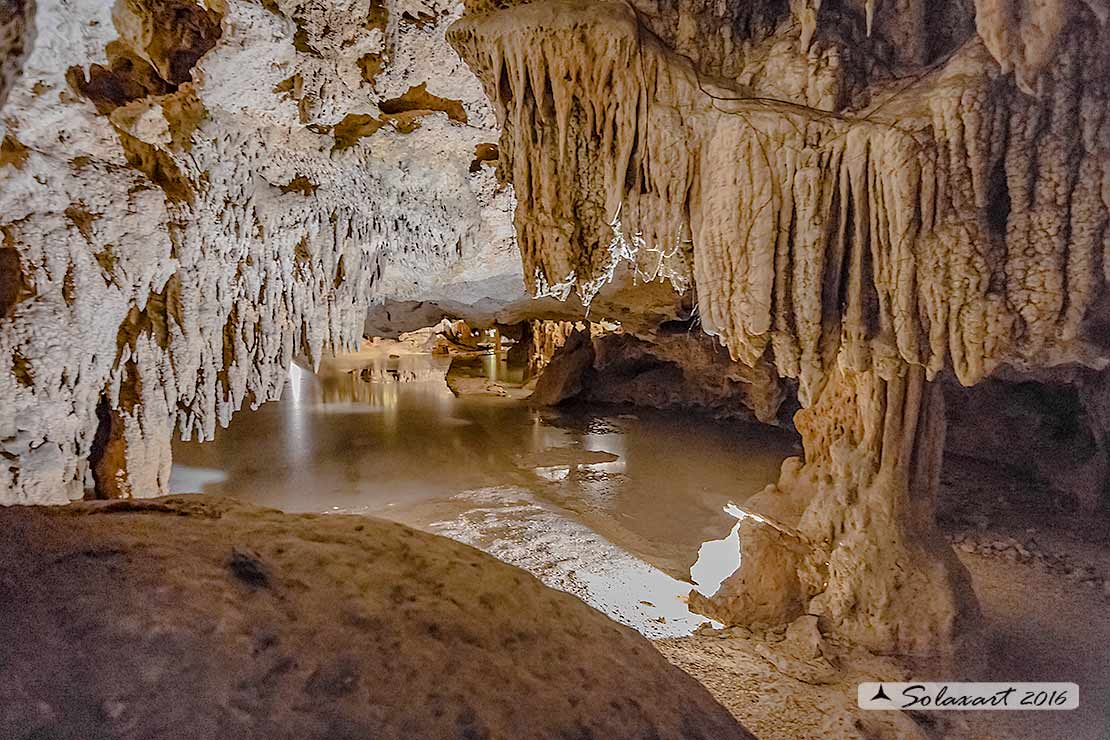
{"x":717,"y":560}
{"x":533,"y":487}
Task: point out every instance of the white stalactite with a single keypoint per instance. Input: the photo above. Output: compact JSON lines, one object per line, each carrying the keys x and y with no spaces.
{"x":863,"y":251}
{"x":182,"y":275}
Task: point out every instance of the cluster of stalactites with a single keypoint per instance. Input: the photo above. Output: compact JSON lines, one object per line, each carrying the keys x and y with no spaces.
{"x":1024,"y":35}
{"x":218,"y":282}
{"x":710,"y":33}
{"x":575,"y":103}
{"x":958,"y":222}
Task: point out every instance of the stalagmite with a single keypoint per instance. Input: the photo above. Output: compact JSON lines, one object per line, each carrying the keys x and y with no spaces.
{"x":860,"y":544}
{"x":948,"y":223}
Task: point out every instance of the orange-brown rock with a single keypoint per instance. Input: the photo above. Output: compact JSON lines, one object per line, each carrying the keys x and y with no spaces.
{"x":197,"y":617}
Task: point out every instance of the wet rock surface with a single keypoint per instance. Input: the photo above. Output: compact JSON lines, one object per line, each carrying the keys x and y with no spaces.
{"x":192,"y":616}
{"x":568,"y":373}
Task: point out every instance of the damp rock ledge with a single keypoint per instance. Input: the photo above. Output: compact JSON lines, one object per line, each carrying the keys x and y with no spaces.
{"x":193,"y":616}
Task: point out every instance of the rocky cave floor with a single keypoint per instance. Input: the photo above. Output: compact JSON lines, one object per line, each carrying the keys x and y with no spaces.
{"x":1042,"y":576}
{"x":201,"y":617}
{"x":1041,"y":571}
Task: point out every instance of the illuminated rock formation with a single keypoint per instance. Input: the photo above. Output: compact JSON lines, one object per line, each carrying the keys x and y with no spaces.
{"x":17,"y":33}
{"x":862,"y":197}
{"x":548,"y":337}
{"x":193,"y":194}
{"x":858,"y":196}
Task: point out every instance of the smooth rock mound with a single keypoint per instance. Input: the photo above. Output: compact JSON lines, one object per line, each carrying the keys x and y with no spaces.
{"x":198,"y":617}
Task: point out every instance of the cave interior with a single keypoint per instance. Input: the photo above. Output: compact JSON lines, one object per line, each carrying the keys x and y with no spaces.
{"x":552,"y":368}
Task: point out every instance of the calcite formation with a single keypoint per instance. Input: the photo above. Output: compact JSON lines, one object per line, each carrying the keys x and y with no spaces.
{"x":548,"y":337}
{"x":862,"y":197}
{"x":670,"y":371}
{"x":860,"y":544}
{"x":194,"y":193}
{"x":866,"y":195}
{"x":917,"y":229}
{"x":17,"y":33}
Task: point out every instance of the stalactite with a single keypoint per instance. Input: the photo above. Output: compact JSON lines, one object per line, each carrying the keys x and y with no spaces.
{"x":17,"y":34}
{"x":940,"y":224}
{"x":1023,"y":35}
{"x":809,"y":229}
{"x":547,"y":338}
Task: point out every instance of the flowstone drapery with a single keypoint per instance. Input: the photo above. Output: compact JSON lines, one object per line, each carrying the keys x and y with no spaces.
{"x":862,"y":211}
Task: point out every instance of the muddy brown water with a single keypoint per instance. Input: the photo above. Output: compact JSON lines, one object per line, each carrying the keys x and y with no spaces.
{"x":615,"y":505}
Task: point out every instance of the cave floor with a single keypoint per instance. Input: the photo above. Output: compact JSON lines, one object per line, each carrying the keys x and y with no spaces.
{"x":1042,"y":577}
{"x":615,"y":506}
{"x":1040,"y":627}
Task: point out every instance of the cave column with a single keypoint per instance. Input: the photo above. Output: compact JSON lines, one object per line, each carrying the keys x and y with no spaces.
{"x":129,"y":458}
{"x":850,"y":534}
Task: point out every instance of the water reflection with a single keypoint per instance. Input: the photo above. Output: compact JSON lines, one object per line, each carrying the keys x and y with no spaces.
{"x":717,"y":560}
{"x":612,"y":506}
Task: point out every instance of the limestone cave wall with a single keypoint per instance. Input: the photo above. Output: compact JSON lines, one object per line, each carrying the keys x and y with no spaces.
{"x":935,"y":214}
{"x":869,"y":196}
{"x":193,"y":194}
